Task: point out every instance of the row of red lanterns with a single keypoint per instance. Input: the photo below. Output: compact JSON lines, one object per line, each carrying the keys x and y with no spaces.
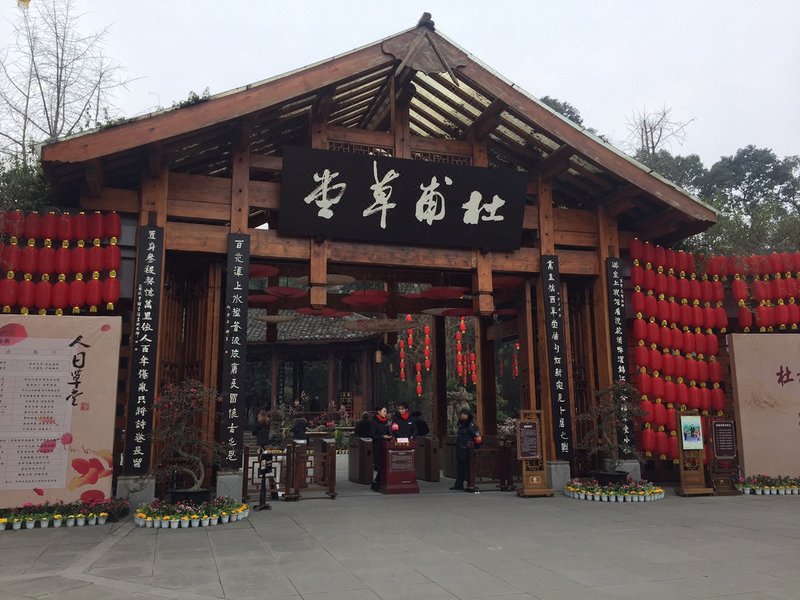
{"x":62,"y":227}
{"x":64,"y":260}
{"x":653,"y":256}
{"x":672,"y":338}
{"x":680,"y":287}
{"x":45,"y":296}
{"x":754,"y":265}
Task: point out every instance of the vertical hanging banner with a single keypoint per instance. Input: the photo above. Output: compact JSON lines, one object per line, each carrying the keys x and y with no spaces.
{"x":619,"y":337}
{"x":556,"y":357}
{"x":234,"y":360}
{"x":147,"y":304}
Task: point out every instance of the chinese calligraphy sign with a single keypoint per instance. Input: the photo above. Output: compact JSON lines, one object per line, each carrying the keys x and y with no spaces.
{"x":388,"y":200}
{"x":619,"y":337}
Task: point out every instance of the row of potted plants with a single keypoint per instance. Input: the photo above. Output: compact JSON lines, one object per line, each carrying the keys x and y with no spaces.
{"x":769,"y":486}
{"x":67,"y":514}
{"x":165,"y":515}
{"x":587,"y":489}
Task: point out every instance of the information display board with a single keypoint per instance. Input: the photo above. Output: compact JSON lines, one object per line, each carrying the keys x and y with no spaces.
{"x":58,"y":383}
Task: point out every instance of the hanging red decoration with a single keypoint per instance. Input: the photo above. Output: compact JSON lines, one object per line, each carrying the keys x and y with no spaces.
{"x":13,"y":222}
{"x":60,"y":296}
{"x":95,"y":225}
{"x":745,"y":318}
{"x":672,"y":448}
{"x":112,"y":259}
{"x":667,"y":363}
{"x":79,"y":258}
{"x":63,"y":259}
{"x":639,"y":329}
{"x":714,"y":370}
{"x":8,"y":292}
{"x":659,"y":256}
{"x":648,"y":441}
{"x":657,"y":385}
{"x":672,"y":418}
{"x":64,"y":229}
{"x":705,"y":398}
{"x":96,"y":257}
{"x":49,"y":226}
{"x":649,"y":279}
{"x":642,"y":355}
{"x":676,"y":335}
{"x":653,"y":332}
{"x":31,"y":225}
{"x":662,"y":310}
{"x":662,"y":444}
{"x":664,"y":337}
{"x":680,"y":364}
{"x":43,"y":294}
{"x":515,"y":361}
{"x":26,"y":294}
{"x":661,"y":282}
{"x":720,"y":319}
{"x":689,"y":343}
{"x":648,"y":415}
{"x":682,"y":393}
{"x":111,"y":290}
{"x":636,"y":249}
{"x":46,"y":260}
{"x":644,"y":383}
{"x":27,"y":258}
{"x":694,"y":397}
{"x":655,"y":358}
{"x":717,"y":399}
{"x":94,"y":292}
{"x":660,"y":414}
{"x":637,"y":276}
{"x":112,"y":225}
{"x":637,"y":302}
{"x":648,"y":252}
{"x":418,"y":368}
{"x":77,"y":293}
{"x":80,"y":226}
{"x":10,"y":256}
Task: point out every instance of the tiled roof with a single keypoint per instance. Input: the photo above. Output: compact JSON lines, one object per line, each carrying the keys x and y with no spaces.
{"x":303,"y":329}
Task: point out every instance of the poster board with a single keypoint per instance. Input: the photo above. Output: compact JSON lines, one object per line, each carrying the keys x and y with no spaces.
{"x":530,"y":453}
{"x":691,"y":454}
{"x":765,"y":370}
{"x":58,"y":386}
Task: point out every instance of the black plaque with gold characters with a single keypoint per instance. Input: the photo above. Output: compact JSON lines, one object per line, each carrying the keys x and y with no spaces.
{"x":723,"y":467}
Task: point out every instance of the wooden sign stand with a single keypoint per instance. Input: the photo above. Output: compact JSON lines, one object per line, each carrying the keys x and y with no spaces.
{"x":693,"y":478}
{"x":531,"y":455}
{"x":723,"y":467}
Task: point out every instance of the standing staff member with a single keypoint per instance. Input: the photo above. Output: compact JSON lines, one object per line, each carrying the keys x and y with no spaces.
{"x":380,"y":431}
{"x":467,"y":437}
{"x":403,"y":423}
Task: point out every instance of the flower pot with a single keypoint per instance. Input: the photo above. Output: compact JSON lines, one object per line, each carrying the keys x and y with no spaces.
{"x":70,"y":522}
{"x":603,"y":498}
{"x":745,"y":490}
{"x":246,"y":513}
{"x":80,"y":521}
{"x":195,"y":522}
{"x":17,"y":525}
{"x":29,"y":524}
{"x":794,"y":491}
{"x":204,"y":522}
{"x":781,"y":491}
{"x":582,"y":495}
{"x":101,"y":520}
{"x":214,"y":521}
{"x":149,"y":522}
{"x":185,"y":523}
{"x":758,"y":491}
{"x":91,"y":521}
{"x":174,"y":524}
{"x":224,"y":518}
{"x":44,"y":523}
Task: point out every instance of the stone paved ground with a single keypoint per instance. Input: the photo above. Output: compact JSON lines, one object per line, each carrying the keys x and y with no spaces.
{"x":433,"y":546}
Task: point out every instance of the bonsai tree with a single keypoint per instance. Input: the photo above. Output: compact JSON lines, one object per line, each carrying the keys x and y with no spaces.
{"x":181,"y":447}
{"x":614,"y":406}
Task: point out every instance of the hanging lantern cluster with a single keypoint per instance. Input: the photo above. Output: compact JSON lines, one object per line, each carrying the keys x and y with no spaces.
{"x":515,"y":362}
{"x":402,"y":353}
{"x":418,"y":367}
{"x":678,"y":315}
{"x":766,"y":289}
{"x":426,"y":350}
{"x":63,"y":264}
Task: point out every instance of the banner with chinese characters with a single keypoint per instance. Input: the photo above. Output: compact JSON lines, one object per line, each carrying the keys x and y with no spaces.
{"x":58,"y":386}
{"x":765,"y":369}
{"x":619,"y":336}
{"x":234,"y":360}
{"x":344,"y":196}
{"x":557,"y":357}
{"x":142,"y":379}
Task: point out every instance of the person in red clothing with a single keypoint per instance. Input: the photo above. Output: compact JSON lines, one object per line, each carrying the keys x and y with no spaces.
{"x":380,"y":431}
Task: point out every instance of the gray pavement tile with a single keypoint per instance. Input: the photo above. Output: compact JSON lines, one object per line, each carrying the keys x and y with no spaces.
{"x":362,"y":594}
{"x":602,"y":576}
{"x":39,"y":587}
{"x":428,"y":591}
{"x":243,"y":583}
{"x":123,"y":572}
{"x":311,"y":582}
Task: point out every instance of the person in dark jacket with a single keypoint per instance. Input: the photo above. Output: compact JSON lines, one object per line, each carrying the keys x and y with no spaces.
{"x":380,"y":432}
{"x":299,"y":426}
{"x":261,"y":432}
{"x":420,"y":424}
{"x":403,"y":423}
{"x":362,"y":428}
{"x":467,"y":437}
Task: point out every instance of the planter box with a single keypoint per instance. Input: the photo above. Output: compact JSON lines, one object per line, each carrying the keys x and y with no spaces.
{"x":609,"y":477}
{"x":194,"y":496}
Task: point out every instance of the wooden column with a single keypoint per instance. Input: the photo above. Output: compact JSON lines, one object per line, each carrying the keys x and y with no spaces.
{"x":483,"y":302}
{"x":546,"y":246}
{"x":527,"y":369}
{"x":485,"y":386}
{"x":439,"y":377}
{"x":319,"y":273}
{"x":401,"y":124}
{"x":240,"y":178}
{"x":600,"y":308}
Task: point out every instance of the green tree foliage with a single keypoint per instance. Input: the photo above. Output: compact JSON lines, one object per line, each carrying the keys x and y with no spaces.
{"x":686,"y":171}
{"x":22,"y":186}
{"x":563,"y":108}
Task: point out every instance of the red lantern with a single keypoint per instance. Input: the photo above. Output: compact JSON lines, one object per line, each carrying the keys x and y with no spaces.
{"x":697,"y":314}
{"x":64,"y":230}
{"x":683,"y":288}
{"x":700,"y":343}
{"x":655,"y":359}
{"x":660,"y":414}
{"x":77,"y":293}
{"x":661,"y":282}
{"x":43,"y":294}
{"x":46,"y":259}
{"x":662,"y":444}
{"x":718,"y":294}
{"x":648,"y":441}
{"x":714,"y":371}
{"x":95,"y":225}
{"x":720,"y":318}
{"x":649,"y":280}
{"x":26,"y":294}
{"x":49,"y":226}
{"x":682,"y":393}
{"x":27,"y":258}
{"x":94,"y":292}
{"x":717,"y":399}
{"x":637,"y":276}
{"x":694,"y":398}
{"x":677,"y":339}
{"x":647,"y":411}
{"x":657,"y":388}
{"x":672,"y":448}
{"x":689,"y":346}
{"x":8,"y":292}
{"x":112,"y":224}
{"x":636,"y":249}
{"x":682,"y":261}
{"x":111,"y":290}
{"x":644,"y":383}
{"x":63,"y":259}
{"x":80,"y":226}
{"x":686,"y":315}
{"x":660,"y":256}
{"x":680,"y":365}
{"x":705,"y":398}
{"x":794,"y":314}
{"x":648,"y":253}
{"x":671,"y":260}
{"x":96,"y":257}
{"x":709,"y":317}
{"x":637,"y":302}
{"x":672,"y":286}
{"x":113,"y":258}
{"x":60,"y":296}
{"x":781,"y":314}
{"x":695,"y":289}
{"x":13,"y":222}
{"x":745,"y":318}
{"x":662,"y":310}
{"x":642,"y":355}
{"x":664,"y":337}
{"x":692,"y":371}
{"x":650,"y":306}
{"x":639,"y":329}
{"x":667,"y":364}
{"x":672,"y":418}
{"x":702,"y":370}
{"x":653,"y":333}
{"x":79,"y":259}
{"x":31,"y":225}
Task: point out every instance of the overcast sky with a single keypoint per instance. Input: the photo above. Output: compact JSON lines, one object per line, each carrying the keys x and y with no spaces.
{"x":732,"y":66}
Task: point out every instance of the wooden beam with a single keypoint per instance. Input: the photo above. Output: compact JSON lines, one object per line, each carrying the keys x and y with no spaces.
{"x":154,"y":194}
{"x":546,"y":239}
{"x":323,"y":104}
{"x":554,"y":163}
{"x":94,"y":178}
{"x":600,"y":308}
{"x":240,"y":178}
{"x":263,"y":162}
{"x":155,"y":157}
{"x":486,"y":122}
{"x":122,"y":201}
{"x":360,"y":136}
{"x":216,"y":110}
